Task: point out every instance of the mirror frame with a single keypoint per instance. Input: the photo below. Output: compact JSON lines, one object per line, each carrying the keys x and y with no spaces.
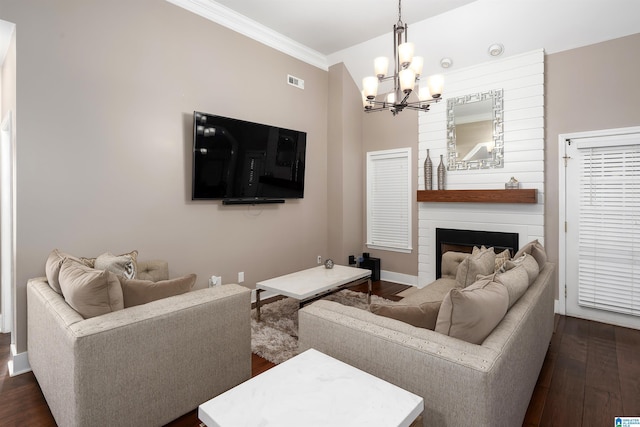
{"x":497,"y":157}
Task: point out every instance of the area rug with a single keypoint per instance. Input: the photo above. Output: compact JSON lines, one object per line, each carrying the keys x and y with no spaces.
{"x":275,"y":337}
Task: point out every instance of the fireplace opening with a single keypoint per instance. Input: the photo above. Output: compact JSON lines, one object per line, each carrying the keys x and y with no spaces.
{"x":448,"y":239}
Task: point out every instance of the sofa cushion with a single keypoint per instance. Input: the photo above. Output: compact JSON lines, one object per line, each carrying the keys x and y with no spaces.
{"x":137,"y":292}
{"x":470,"y":314}
{"x":528,"y":262}
{"x":516,"y":281}
{"x":88,"y":291}
{"x":52,"y":268}
{"x":481,"y":261}
{"x":536,"y":249}
{"x":121,"y":265}
{"x":418,"y":309}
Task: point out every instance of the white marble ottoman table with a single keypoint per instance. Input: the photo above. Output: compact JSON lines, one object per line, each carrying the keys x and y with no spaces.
{"x":310,"y":284}
{"x":312,"y":389}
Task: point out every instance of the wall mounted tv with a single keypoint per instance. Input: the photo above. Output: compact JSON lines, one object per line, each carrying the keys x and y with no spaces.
{"x":240,"y":162}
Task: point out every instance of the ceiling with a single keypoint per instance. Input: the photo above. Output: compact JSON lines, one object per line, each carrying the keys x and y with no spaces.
{"x":328,"y":26}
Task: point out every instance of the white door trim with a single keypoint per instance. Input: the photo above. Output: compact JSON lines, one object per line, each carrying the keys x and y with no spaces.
{"x":561,"y":303}
{"x":7,"y":223}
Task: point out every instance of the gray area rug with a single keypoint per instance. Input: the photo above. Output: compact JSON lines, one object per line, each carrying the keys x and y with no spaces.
{"x":275,"y":337}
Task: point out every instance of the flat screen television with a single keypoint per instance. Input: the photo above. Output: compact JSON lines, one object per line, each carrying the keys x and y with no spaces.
{"x":243,"y":162}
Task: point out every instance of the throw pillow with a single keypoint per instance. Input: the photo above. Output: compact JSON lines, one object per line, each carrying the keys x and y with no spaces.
{"x":537,"y":250}
{"x":529,"y":264}
{"x":122,"y":265}
{"x":481,"y":261}
{"x":450,"y":262}
{"x":421,"y":308}
{"x":516,"y":281}
{"x":137,"y":292}
{"x":470,"y":314}
{"x":501,"y":259}
{"x":91,"y":262}
{"x":52,"y":268}
{"x":90,"y":292}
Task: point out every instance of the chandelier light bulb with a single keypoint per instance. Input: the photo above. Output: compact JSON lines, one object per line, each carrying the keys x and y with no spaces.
{"x":365,"y":101}
{"x":424,"y":93}
{"x":391,"y":98}
{"x":370,"y":87}
{"x":436,"y":84}
{"x":405,"y":54}
{"x":416,"y":65}
{"x":407,"y":80}
{"x":381,"y":66}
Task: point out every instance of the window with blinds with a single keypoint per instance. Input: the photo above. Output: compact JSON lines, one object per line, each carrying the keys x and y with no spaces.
{"x":609,"y":229}
{"x":389,"y":200}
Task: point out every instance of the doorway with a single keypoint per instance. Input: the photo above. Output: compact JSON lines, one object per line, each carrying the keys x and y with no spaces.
{"x":600,"y":213}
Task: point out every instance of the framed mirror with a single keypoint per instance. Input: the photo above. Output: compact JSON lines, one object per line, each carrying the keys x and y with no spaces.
{"x":475,"y":131}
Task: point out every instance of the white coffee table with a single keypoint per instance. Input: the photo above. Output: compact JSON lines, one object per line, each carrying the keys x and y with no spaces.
{"x":312,"y":389}
{"x":308,"y":285}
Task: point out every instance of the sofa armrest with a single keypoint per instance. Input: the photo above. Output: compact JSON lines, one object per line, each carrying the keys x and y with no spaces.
{"x":144,"y":365}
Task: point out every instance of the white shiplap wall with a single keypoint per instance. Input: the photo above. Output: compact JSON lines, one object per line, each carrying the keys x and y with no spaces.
{"x":522,"y":79}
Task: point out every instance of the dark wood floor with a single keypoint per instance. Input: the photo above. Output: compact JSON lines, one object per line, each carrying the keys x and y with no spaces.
{"x":591,"y":374}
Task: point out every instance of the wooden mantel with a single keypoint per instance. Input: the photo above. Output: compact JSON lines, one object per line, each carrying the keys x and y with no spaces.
{"x":529,"y":195}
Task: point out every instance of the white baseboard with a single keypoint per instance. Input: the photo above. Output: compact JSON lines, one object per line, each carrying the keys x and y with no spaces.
{"x":403,"y":279}
{"x":19,"y":363}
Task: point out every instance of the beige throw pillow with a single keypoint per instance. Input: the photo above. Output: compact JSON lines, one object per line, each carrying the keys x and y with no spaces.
{"x":90,"y":292}
{"x":137,"y":292}
{"x":536,"y":249}
{"x":421,"y":308}
{"x":529,"y":264}
{"x":481,"y":261}
{"x":52,"y":268}
{"x":470,"y":314}
{"x":501,"y":259}
{"x":121,"y":265}
{"x":516,"y":281}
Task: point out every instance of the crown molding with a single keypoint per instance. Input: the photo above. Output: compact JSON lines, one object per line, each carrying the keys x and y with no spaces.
{"x":231,"y":19}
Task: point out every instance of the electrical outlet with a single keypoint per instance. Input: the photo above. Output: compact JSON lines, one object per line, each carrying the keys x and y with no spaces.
{"x":319,"y":259}
{"x":241,"y":277}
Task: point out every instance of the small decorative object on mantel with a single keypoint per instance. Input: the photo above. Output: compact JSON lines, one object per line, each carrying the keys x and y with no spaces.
{"x":441,"y":174}
{"x":428,"y":173}
{"x":513,"y":184}
{"x":328,"y":264}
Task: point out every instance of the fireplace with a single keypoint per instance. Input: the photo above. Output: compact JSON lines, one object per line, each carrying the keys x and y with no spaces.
{"x":448,"y":239}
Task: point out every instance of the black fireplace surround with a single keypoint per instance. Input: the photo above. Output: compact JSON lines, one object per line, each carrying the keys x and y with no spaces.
{"x":448,"y":239}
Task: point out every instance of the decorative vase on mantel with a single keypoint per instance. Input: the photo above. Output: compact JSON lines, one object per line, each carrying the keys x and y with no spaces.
{"x":441,"y":173}
{"x":428,"y":173}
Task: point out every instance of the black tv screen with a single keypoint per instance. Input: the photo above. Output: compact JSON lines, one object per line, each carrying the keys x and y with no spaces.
{"x":244,"y":161}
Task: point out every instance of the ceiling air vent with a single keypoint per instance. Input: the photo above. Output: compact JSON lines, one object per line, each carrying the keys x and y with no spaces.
{"x":294,"y":81}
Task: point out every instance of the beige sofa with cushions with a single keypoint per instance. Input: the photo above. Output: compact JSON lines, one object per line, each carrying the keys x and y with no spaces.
{"x":487,"y":384}
{"x":142,"y":366}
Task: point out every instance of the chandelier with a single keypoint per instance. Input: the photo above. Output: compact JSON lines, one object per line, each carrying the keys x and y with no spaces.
{"x":406,"y":77}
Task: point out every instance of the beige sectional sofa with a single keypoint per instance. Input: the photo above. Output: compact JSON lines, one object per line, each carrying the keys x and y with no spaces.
{"x":462,"y":384}
{"x":143,"y":365}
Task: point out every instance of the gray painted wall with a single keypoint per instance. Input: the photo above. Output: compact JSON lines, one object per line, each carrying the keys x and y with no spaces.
{"x":105,"y":96}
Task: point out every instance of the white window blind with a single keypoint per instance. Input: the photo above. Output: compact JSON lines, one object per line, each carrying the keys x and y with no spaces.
{"x":609,"y":229}
{"x":389,"y":200}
